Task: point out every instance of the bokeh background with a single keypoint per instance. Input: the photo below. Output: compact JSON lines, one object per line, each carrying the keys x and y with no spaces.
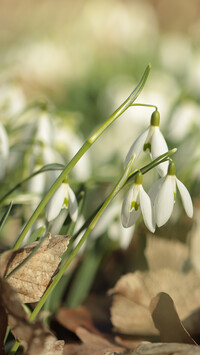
{"x":86,"y":56}
{"x":83,"y":58}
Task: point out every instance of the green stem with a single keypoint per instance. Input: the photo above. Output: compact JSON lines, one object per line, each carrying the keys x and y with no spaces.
{"x":14,"y":348}
{"x":125,"y":178}
{"x":45,"y":168}
{"x":123,"y":107}
{"x":161,"y":159}
{"x":145,"y":105}
{"x":91,"y":226}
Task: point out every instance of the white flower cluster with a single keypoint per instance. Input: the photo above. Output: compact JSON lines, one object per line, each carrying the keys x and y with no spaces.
{"x":156,"y":207}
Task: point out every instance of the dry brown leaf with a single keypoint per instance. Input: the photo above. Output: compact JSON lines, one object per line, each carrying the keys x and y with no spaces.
{"x":3,"y":325}
{"x":32,"y":279}
{"x":93,"y":344}
{"x":166,"y":320}
{"x":72,"y":318}
{"x":160,"y":253}
{"x":146,"y":348}
{"x":35,"y":338}
{"x":134,"y":291}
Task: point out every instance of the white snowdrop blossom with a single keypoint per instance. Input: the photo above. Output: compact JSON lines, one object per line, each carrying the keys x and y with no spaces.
{"x":44,"y":130}
{"x":163,"y":194}
{"x":135,"y":202}
{"x":64,"y":197}
{"x":153,"y":141}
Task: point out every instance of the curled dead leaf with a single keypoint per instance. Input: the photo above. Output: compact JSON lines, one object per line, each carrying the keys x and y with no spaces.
{"x":166,"y":320}
{"x":32,"y":279}
{"x":35,"y":338}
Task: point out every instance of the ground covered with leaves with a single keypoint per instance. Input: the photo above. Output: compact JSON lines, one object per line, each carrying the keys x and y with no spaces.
{"x":152,"y":310}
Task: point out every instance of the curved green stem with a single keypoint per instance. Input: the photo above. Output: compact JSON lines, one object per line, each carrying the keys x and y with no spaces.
{"x":123,"y":107}
{"x":123,"y":180}
{"x":161,"y":159}
{"x":91,"y":226}
{"x":45,"y":168}
{"x":146,"y":105}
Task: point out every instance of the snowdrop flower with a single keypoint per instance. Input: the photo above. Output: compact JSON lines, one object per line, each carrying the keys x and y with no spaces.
{"x":12,"y":100}
{"x":153,"y":141}
{"x":163,"y":194}
{"x":136,"y":201}
{"x":44,"y":132}
{"x":64,"y":197}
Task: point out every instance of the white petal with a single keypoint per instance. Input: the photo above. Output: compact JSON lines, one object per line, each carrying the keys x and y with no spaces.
{"x":129,"y":217}
{"x":4,"y":145}
{"x":45,"y":130}
{"x":136,"y":147}
{"x":159,"y":147}
{"x":55,"y":204}
{"x":73,"y":205}
{"x":123,"y":235}
{"x":153,"y":191}
{"x":59,"y":221}
{"x":133,"y":217}
{"x":146,"y":209}
{"x":185,"y":197}
{"x":37,"y":184}
{"x":164,"y":201}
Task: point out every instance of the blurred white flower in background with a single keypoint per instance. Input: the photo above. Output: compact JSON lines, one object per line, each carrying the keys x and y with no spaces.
{"x":41,"y":152}
{"x":44,"y":130}
{"x":64,"y":197}
{"x":193,"y":74}
{"x":12,"y":100}
{"x":45,"y":61}
{"x":110,"y":222}
{"x":176,"y":53}
{"x":67,"y":143}
{"x":124,"y":26}
{"x":185,"y":119}
{"x":4,"y":151}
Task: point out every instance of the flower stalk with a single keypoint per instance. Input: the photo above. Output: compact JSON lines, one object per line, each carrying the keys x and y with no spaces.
{"x":122,"y":108}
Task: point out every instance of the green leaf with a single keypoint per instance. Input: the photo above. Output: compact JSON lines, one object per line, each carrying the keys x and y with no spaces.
{"x":5,"y":216}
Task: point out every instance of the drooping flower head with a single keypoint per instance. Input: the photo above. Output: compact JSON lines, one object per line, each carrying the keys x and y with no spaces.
{"x":64,"y":197}
{"x":163,"y":194}
{"x":135,"y":202}
{"x":151,"y":140}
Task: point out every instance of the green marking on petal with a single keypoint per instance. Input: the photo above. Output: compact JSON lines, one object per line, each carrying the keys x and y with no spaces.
{"x":66,"y":202}
{"x":174,"y":196}
{"x":147,"y":146}
{"x":134,"y":206}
